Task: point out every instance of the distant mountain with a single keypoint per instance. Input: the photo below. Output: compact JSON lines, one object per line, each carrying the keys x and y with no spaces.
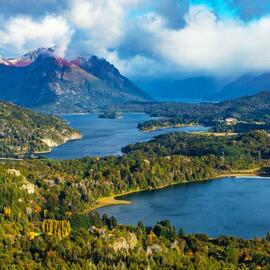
{"x":24,"y":131}
{"x":245,"y":85}
{"x":192,"y":88}
{"x":46,"y":82}
{"x":209,"y":88}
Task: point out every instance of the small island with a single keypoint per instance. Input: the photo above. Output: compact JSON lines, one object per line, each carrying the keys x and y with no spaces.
{"x":110,"y":115}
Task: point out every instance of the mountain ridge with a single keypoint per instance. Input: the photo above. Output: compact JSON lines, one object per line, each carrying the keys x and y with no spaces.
{"x":54,"y":84}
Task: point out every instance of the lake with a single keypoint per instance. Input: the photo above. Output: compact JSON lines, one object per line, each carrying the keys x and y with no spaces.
{"x":230,"y":206}
{"x":104,"y":137}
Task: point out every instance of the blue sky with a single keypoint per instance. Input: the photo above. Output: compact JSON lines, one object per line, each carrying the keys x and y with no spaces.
{"x":145,"y":38}
{"x":221,"y":7}
{"x":243,"y":9}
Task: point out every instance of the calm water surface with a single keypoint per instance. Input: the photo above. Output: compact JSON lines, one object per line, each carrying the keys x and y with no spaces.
{"x":231,"y":206}
{"x":103,"y":137}
{"x":237,"y":207}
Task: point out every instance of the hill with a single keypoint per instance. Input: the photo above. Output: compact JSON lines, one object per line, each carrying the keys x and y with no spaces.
{"x":45,"y":82}
{"x":256,"y":107}
{"x":23,"y":131}
{"x":46,"y":216}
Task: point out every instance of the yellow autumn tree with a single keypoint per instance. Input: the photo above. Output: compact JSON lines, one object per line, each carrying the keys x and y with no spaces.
{"x":58,"y":228}
{"x":7,"y":212}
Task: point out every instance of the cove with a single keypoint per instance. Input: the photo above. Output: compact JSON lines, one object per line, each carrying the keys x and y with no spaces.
{"x":104,"y":137}
{"x":229,"y":206}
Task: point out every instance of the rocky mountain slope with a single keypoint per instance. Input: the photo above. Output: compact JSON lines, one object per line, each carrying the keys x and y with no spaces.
{"x":24,"y":131}
{"x":48,"y":83}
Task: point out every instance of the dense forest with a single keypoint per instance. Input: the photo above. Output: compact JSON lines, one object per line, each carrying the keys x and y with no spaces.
{"x":93,"y":242}
{"x":240,"y":127}
{"x":46,"y":219}
{"x":253,"y":145}
{"x":24,"y":131}
{"x":165,"y":123}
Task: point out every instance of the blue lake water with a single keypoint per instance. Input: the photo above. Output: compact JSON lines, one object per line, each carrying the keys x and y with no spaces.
{"x":229,"y":206}
{"x":236,"y":207}
{"x":103,"y":137}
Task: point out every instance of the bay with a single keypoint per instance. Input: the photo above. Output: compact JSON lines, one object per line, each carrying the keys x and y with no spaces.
{"x":229,"y":206}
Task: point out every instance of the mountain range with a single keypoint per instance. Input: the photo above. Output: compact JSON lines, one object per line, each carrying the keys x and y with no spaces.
{"x":209,"y":88}
{"x":45,"y":82}
{"x":247,"y":84}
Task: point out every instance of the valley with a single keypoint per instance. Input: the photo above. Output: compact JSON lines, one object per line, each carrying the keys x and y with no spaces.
{"x":134,"y":135}
{"x":54,"y":202}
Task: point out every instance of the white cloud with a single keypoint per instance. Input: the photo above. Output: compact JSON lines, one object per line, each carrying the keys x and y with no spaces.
{"x":104,"y":21}
{"x":136,"y":66}
{"x":211,"y":45}
{"x":107,"y":25}
{"x":140,"y":40}
{"x":205,"y":44}
{"x":21,"y":34}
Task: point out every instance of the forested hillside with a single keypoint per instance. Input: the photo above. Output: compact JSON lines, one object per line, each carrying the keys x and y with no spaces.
{"x":249,"y":109}
{"x":256,"y":108}
{"x":23,"y":131}
{"x":255,"y":145}
{"x":46,"y":219}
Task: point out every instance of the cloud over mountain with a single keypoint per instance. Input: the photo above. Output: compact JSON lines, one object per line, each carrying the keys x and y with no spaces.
{"x":145,"y":37}
{"x":22,"y":33}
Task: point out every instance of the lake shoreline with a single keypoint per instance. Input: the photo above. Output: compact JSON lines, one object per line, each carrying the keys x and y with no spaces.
{"x":156,"y":128}
{"x":115,"y":199}
{"x":73,"y":137}
{"x":106,"y":137}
